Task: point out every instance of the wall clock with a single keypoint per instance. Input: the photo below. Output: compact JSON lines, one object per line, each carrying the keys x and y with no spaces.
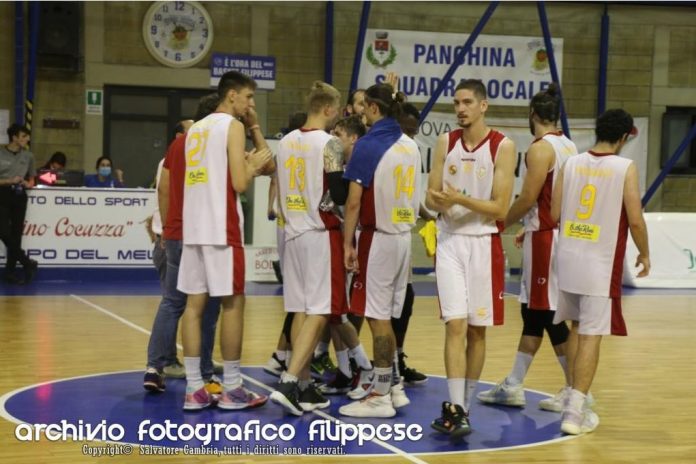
{"x":178,"y":34}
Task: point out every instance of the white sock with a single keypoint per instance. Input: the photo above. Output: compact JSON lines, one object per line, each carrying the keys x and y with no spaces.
{"x":383,"y":378}
{"x":288,"y":357}
{"x":456,"y":389}
{"x":344,"y":362}
{"x":303,"y":384}
{"x":469,"y":393}
{"x":280,"y":354}
{"x":358,"y":353}
{"x":194,"y":381}
{"x":231,"y":374}
{"x":285,"y":377}
{"x":322,"y":347}
{"x":520,"y":368}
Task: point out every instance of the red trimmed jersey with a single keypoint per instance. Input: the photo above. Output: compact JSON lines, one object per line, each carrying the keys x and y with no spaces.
{"x":470,"y":172}
{"x":593,"y":226}
{"x":539,"y":216}
{"x":212,"y":212}
{"x":302,"y":182}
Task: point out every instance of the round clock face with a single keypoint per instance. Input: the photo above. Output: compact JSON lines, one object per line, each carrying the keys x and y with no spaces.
{"x":178,"y":34}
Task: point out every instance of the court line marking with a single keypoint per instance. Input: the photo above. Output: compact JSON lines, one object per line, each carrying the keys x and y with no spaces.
{"x":132,"y":325}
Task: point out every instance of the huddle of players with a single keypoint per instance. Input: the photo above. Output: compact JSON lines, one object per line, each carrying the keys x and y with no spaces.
{"x":470,"y":187}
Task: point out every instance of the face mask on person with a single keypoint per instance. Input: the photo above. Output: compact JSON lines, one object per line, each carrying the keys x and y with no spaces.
{"x":105,"y":171}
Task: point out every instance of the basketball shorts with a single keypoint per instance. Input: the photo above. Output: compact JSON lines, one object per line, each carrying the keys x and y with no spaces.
{"x":470,"y":273}
{"x":217,"y":270}
{"x":379,"y":289}
{"x":539,"y":279}
{"x":596,"y":315}
{"x":313,"y":274}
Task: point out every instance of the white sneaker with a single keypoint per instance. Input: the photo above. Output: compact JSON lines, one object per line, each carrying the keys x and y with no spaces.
{"x":508,"y":395}
{"x":557,"y":402}
{"x":373,"y":405}
{"x":275,"y":366}
{"x":575,"y":422}
{"x":398,"y":396}
{"x":364,"y":386}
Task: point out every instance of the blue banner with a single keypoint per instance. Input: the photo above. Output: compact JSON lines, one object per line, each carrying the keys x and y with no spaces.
{"x":261,"y":68}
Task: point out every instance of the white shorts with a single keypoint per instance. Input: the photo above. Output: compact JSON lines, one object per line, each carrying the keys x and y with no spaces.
{"x":596,"y":315}
{"x":539,"y":283}
{"x":470,"y":272}
{"x":217,"y":270}
{"x":314,"y":280}
{"x":379,"y":289}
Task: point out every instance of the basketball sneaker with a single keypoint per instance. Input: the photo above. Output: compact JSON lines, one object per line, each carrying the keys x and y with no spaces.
{"x":340,"y":384}
{"x":175,"y":370}
{"x":153,"y":381}
{"x":275,"y":366}
{"x":199,"y":399}
{"x":373,"y":405}
{"x":410,"y":375}
{"x":241,"y":398}
{"x":502,"y":393}
{"x":311,"y":399}
{"x":398,"y":396}
{"x":557,"y":402}
{"x":287,"y":396}
{"x":364,"y":385}
{"x":453,"y":421}
{"x":575,"y":422}
{"x":214,"y":387}
{"x":322,"y":364}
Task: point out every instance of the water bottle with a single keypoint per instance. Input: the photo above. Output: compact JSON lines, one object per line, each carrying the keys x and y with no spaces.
{"x":507,"y":267}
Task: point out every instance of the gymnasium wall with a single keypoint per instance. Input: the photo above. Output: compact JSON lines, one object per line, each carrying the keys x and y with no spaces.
{"x":652,"y":61}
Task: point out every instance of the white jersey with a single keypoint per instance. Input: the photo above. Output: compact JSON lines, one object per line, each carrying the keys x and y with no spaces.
{"x":302,"y":182}
{"x":593,"y":226}
{"x":539,"y":216}
{"x":470,"y":172}
{"x":390,"y":204}
{"x":212,"y":212}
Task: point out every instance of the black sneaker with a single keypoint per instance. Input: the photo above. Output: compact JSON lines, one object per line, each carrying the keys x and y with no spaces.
{"x":287,"y":396}
{"x":410,"y":375}
{"x":278,"y":272}
{"x":340,"y":384}
{"x":275,"y":366}
{"x":153,"y":381}
{"x":311,"y":399}
{"x":30,"y":271}
{"x":454,"y":421}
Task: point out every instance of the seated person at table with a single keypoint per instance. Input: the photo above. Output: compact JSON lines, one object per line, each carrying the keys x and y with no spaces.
{"x":57,"y":162}
{"x":106,"y":176}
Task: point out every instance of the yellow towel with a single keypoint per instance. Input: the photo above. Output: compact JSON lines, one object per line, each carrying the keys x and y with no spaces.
{"x":429,"y":235}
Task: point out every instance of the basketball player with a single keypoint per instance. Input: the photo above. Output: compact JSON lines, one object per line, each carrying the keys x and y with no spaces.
{"x":597,"y":200}
{"x":161,"y":351}
{"x":544,"y":159}
{"x":212,"y":260}
{"x":384,"y":195}
{"x":311,"y":163}
{"x":470,"y":184}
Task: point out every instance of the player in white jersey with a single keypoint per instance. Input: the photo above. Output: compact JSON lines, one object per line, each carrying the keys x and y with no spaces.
{"x":310,"y":165}
{"x":597,"y":200}
{"x":543,"y":161}
{"x":212,"y":260}
{"x":470,"y":184}
{"x":384,"y":171}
